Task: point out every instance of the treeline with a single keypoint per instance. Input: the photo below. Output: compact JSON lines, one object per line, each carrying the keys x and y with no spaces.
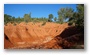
{"x":64,"y":15}
{"x":26,"y":18}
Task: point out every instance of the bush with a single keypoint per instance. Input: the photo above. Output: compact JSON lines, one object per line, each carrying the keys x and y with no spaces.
{"x":43,"y":23}
{"x":70,"y":24}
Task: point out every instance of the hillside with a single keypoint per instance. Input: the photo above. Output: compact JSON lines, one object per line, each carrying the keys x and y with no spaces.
{"x":37,"y":36}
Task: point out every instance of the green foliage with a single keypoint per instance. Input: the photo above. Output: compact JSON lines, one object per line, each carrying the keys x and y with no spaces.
{"x":50,"y":17}
{"x":80,"y":15}
{"x":55,"y":19}
{"x":70,"y":23}
{"x":64,"y":13}
{"x":61,"y":15}
{"x":76,"y":18}
{"x":42,"y":19}
{"x":69,"y":13}
{"x":8,"y":18}
{"x":27,"y":17}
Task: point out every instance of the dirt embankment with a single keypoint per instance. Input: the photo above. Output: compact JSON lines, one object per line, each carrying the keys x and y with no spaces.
{"x":37,"y":36}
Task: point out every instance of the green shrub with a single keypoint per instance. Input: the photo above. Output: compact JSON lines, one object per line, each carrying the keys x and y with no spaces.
{"x":43,"y":23}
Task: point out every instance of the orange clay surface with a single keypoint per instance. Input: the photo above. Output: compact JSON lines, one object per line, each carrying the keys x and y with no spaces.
{"x":32,"y":35}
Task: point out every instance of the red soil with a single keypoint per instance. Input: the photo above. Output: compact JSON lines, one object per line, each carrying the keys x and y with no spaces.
{"x":32,"y":35}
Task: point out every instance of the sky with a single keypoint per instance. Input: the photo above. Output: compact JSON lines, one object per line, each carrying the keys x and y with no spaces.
{"x":37,"y":10}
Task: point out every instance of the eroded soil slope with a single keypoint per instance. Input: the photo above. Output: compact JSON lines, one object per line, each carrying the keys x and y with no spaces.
{"x":38,"y":36}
